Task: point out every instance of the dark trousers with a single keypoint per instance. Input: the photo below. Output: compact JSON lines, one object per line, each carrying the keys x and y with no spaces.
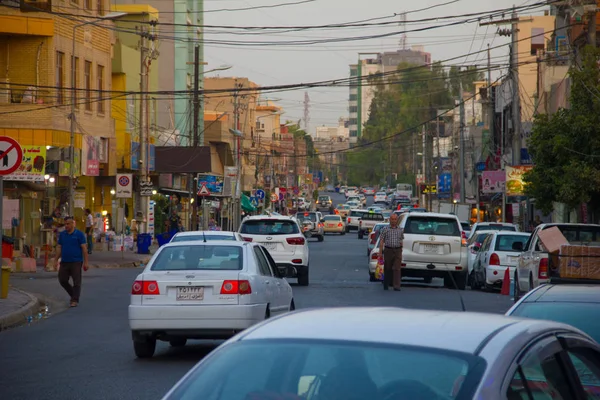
{"x":71,"y":270}
{"x":392,"y":266}
{"x":90,"y":239}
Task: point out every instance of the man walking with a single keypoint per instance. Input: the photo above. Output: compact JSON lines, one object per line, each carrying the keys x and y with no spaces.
{"x":390,"y":245}
{"x":72,"y":249}
{"x":89,"y":230}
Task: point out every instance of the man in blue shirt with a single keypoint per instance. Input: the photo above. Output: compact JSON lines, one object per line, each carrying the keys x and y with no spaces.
{"x":72,"y":249}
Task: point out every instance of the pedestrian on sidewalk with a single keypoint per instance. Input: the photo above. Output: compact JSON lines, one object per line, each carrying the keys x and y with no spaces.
{"x":72,"y":250}
{"x":390,"y":245}
{"x":89,"y":230}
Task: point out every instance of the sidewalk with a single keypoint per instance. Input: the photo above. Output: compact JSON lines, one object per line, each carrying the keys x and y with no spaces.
{"x":20,"y":305}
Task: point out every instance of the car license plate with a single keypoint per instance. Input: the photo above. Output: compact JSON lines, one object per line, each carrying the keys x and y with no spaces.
{"x":430,"y":248}
{"x":185,"y":293}
{"x":331,"y":225}
{"x":270,"y":245}
{"x":513,"y":259}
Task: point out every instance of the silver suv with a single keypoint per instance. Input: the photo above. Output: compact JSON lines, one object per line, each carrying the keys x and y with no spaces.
{"x":314,"y":222}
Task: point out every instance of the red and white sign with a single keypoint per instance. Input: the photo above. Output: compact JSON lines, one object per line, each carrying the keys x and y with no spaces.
{"x":203,"y":191}
{"x":124,"y":186}
{"x":11,"y":155}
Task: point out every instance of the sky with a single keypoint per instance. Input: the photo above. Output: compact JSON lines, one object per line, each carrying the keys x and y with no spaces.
{"x":282,"y":63}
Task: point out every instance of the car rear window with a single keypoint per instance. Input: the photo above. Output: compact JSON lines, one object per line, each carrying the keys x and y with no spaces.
{"x":427,"y":225}
{"x":357,"y":213}
{"x":373,"y":217}
{"x":505,"y":242}
{"x":585,"y":235}
{"x":466,"y":226}
{"x":192,"y":238}
{"x":332,"y":218}
{"x":198,"y":257}
{"x":269,"y":227}
{"x":496,"y":227}
{"x":478,"y":238}
{"x":309,"y":216}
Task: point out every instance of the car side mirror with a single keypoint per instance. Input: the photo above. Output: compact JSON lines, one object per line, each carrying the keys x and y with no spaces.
{"x":518,"y":246}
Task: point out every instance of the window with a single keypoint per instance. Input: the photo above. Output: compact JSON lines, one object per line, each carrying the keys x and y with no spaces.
{"x":353,"y":109}
{"x":87,"y":85}
{"x":505,"y":242}
{"x":310,"y":369}
{"x":269,"y":227}
{"x":540,"y":379}
{"x":87,"y":4}
{"x":353,"y":97}
{"x":537,"y":40}
{"x":333,"y":218}
{"x":100,"y":77}
{"x":193,"y":238}
{"x":263,"y":264}
{"x":100,"y":7}
{"x":60,"y":77}
{"x":587,"y":371}
{"x":75,"y":80}
{"x":199,"y":257}
{"x":432,"y":226}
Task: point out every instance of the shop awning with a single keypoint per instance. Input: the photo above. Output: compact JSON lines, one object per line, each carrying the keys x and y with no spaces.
{"x":182,"y":193}
{"x":246,"y":204}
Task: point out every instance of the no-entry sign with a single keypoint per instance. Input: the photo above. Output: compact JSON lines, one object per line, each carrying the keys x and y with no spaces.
{"x":11,"y":155}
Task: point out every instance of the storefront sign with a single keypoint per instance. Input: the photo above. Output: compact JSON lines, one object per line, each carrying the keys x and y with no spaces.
{"x":213,"y":183}
{"x":514,"y":179}
{"x":493,"y":181}
{"x":33,"y":166}
{"x":64,"y":167}
{"x":90,"y":160}
{"x":79,"y":199}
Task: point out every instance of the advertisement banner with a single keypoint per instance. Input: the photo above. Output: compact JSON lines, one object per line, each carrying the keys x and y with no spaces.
{"x":514,"y":179}
{"x":33,"y":166}
{"x":493,"y":181}
{"x":135,"y":152}
{"x":90,"y":160}
{"x":444,"y":185}
{"x":213,"y":183}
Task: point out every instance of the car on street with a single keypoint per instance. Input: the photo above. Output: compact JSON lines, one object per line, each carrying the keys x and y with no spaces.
{"x":466,"y":227}
{"x":283,"y":238}
{"x":369,"y":191}
{"x":324,"y":202}
{"x":397,"y":354}
{"x":434,"y":248}
{"x":315,"y":226}
{"x":353,"y":219}
{"x":473,"y":246}
{"x":205,"y":235}
{"x":493,"y":226}
{"x":573,"y":302}
{"x":204,"y":290}
{"x":534,"y":263}
{"x":351,"y":191}
{"x":330,"y":188}
{"x":495,"y":255}
{"x":374,"y":235}
{"x":363,"y":199}
{"x":380,"y":198}
{"x":334,"y":224}
{"x":342,"y":210}
{"x":367,"y":222}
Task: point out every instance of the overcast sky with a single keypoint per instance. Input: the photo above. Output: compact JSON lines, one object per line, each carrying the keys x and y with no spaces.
{"x":284,"y":63}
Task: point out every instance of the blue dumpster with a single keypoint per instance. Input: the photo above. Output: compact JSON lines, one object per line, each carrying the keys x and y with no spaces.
{"x":164,"y":238}
{"x":144,"y":240}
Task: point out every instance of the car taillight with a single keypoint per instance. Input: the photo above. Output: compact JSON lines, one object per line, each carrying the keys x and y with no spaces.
{"x":374,"y":256}
{"x":348,"y":220}
{"x":295,"y":241}
{"x":236,"y":287}
{"x":340,"y":225}
{"x":543,"y":268}
{"x":247,"y":239}
{"x":145,"y":288}
{"x":463,"y":234}
{"x":494,"y":259}
{"x":372,"y":238}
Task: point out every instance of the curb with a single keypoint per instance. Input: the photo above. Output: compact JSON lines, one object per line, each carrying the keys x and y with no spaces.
{"x":18,"y":317}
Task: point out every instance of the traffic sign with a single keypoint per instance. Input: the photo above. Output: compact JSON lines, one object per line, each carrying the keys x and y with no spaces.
{"x":11,"y":155}
{"x":274,"y":198}
{"x":296,"y":190}
{"x":254,"y":201}
{"x":260,"y":194}
{"x":203,"y":190}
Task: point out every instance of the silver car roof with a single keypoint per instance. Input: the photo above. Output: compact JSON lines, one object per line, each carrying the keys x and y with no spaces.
{"x":459,"y":331}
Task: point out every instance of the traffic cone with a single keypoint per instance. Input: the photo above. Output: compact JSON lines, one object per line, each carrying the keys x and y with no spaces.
{"x":506,"y":283}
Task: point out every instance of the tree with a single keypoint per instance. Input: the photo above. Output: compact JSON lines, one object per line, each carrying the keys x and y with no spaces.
{"x":565,"y":146}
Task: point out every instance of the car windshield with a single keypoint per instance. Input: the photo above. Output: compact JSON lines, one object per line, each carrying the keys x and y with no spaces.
{"x":310,"y":369}
{"x":198,"y":257}
{"x":336,"y":218}
{"x":380,"y":193}
{"x":580,"y":315}
{"x":505,"y":242}
{"x":422,"y":225}
{"x":192,"y":238}
{"x":269,"y":227}
{"x":496,"y":227}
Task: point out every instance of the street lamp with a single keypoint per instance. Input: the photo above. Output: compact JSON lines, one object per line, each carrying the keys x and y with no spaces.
{"x":109,"y":16}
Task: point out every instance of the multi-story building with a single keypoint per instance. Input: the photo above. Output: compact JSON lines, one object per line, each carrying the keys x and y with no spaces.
{"x":362,"y":90}
{"x":37,"y":61}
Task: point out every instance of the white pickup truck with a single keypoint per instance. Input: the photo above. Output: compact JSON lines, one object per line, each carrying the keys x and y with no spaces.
{"x":534,"y":262}
{"x":367,"y":222}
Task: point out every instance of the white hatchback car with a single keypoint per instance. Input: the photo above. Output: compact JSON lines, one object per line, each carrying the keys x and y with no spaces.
{"x":206,"y":235}
{"x":283,"y":238}
{"x":495,"y":255}
{"x":204,"y":290}
{"x":380,"y":197}
{"x":434,"y":247}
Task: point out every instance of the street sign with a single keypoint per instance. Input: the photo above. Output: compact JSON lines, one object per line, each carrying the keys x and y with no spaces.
{"x":260,"y":194}
{"x":254,"y":201}
{"x":203,"y":190}
{"x":146,"y":188}
{"x":296,"y":190}
{"x":11,"y":155}
{"x":124,"y":186}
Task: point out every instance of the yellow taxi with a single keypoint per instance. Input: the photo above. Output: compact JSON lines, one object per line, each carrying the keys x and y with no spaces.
{"x":342,"y":210}
{"x":334,"y":224}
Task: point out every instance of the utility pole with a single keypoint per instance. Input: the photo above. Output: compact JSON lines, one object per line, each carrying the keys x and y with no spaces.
{"x":196,"y":131}
{"x":516,"y":103}
{"x":141,"y":207}
{"x":238,"y":164}
{"x":461,"y":144}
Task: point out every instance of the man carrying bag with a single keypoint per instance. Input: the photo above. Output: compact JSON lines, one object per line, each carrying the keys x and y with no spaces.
{"x":390,"y":245}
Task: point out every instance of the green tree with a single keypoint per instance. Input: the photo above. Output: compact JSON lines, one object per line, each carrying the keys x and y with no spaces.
{"x":564,"y":146}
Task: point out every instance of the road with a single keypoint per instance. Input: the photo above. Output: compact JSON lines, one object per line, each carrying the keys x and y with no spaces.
{"x":86,"y":352}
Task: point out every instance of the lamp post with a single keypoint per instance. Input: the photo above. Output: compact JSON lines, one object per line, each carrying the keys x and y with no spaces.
{"x":109,"y":16}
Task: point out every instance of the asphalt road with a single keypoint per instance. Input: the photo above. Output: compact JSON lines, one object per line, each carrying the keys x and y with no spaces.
{"x":86,"y":353}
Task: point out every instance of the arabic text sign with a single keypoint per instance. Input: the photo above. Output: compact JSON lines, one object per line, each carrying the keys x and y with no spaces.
{"x":493,"y":181}
{"x":33,"y":166}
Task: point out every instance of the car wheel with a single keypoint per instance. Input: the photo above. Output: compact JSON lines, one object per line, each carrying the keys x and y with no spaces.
{"x":292,"y":305}
{"x":144,"y":347}
{"x":267,"y":312}
{"x":303,"y":279}
{"x":179,"y":342}
{"x":473,"y":281}
{"x":321,"y":238}
{"x":517,"y":295}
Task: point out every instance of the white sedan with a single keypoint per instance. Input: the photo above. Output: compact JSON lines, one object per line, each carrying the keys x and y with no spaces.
{"x":204,"y":290}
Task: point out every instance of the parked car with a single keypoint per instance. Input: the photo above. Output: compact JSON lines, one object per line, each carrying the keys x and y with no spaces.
{"x":395,"y":354}
{"x":494,"y":257}
{"x":473,"y":246}
{"x":283,"y":238}
{"x":493,"y":226}
{"x":374,"y":235}
{"x":204,"y":290}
